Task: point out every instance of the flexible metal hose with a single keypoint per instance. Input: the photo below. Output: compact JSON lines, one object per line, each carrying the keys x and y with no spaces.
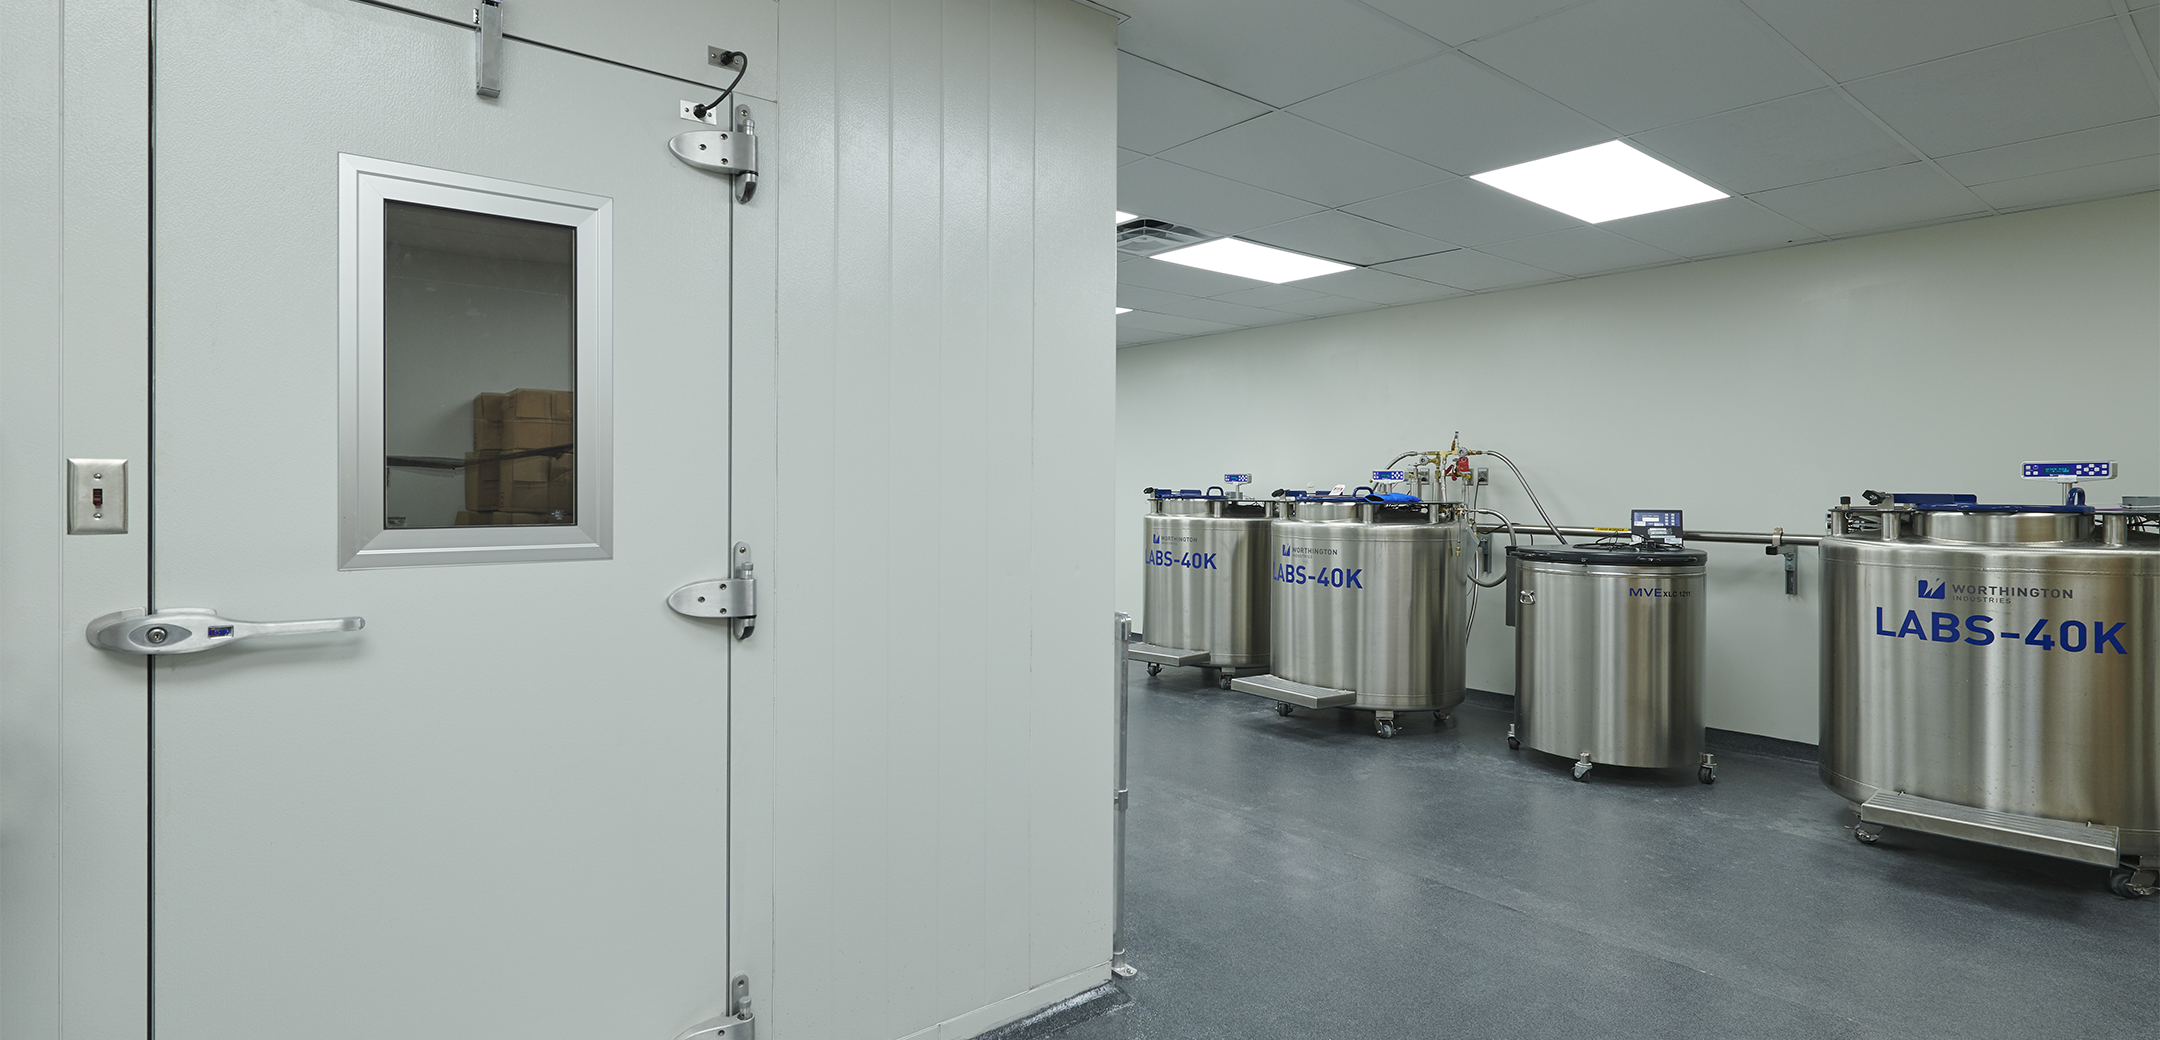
{"x":1510,"y":525}
{"x":1533,"y":495}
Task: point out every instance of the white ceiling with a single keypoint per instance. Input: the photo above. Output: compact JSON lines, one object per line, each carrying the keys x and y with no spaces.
{"x":1348,"y":129}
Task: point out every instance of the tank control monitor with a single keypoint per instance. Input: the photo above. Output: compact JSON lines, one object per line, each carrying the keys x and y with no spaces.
{"x":1390,"y":476}
{"x":1658,"y":527}
{"x":1237,"y":482}
{"x":2069,"y":472}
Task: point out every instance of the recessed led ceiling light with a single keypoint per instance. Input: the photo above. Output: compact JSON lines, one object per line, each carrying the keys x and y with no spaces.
{"x":1123,"y":216}
{"x":1252,"y":260}
{"x":1124,"y":310}
{"x":1600,"y":183}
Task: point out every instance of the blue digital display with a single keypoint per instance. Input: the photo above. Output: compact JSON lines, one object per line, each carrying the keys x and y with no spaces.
{"x":1661,"y":526}
{"x":1237,"y":478}
{"x":1389,"y":474}
{"x":2069,"y":471}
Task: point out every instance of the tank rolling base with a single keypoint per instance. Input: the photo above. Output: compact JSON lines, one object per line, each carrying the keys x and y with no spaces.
{"x":2130,"y":876}
{"x":1705,"y":769}
{"x":1289,"y":696}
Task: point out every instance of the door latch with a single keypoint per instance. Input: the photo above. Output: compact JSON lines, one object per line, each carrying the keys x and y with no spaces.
{"x":733,"y":598}
{"x":487,"y":48}
{"x":192,"y":630}
{"x":730,"y":153}
{"x":737,"y":1024}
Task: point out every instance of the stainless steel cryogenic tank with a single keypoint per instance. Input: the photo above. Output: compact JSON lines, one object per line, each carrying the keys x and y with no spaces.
{"x":1992,"y":673}
{"x":1205,"y":597}
{"x":1609,"y":654}
{"x":1369,"y":604}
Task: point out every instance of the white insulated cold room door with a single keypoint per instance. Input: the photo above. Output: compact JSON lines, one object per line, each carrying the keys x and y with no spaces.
{"x":500,"y":809}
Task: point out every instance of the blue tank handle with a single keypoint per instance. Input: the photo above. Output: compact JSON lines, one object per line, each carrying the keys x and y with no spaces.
{"x":1216,"y":489}
{"x":1365,"y":490}
{"x":2077,"y":497}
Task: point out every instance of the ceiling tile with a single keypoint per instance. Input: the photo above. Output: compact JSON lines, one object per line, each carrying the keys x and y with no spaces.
{"x":1464,"y":212}
{"x":1164,"y":276}
{"x":1457,"y":22}
{"x":2121,"y":177}
{"x":1127,"y":155}
{"x":1323,"y":306}
{"x":1877,"y":200}
{"x":1472,"y":270}
{"x":1713,"y":229}
{"x":1854,"y":38}
{"x":1142,"y":298}
{"x":1581,"y":251}
{"x":1455,"y":114}
{"x":2148,"y":27}
{"x":1183,"y":195}
{"x":1350,"y":239}
{"x":1170,"y":323}
{"x":1805,"y":137}
{"x":1276,"y":296}
{"x":1227,"y":313}
{"x":1160,"y":108}
{"x":2062,"y":152}
{"x":1279,"y":51}
{"x":1139,"y":337}
{"x":1381,"y":287}
{"x":1305,"y":160}
{"x":2067,"y":80}
{"x":1637,"y":64}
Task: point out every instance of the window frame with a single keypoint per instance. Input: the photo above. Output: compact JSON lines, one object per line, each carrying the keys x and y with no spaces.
{"x":364,"y":185}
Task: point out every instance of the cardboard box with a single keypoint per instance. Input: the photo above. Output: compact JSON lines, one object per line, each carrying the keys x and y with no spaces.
{"x":531,"y":404}
{"x":490,"y":407}
{"x":562,"y":483}
{"x":487,"y":434}
{"x":526,"y":434}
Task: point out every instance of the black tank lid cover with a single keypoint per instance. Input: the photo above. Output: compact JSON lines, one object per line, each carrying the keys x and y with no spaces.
{"x":1622,"y":555}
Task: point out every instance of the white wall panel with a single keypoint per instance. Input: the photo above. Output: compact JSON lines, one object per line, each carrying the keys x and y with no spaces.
{"x":74,"y":824}
{"x":939,"y":583}
{"x":1750,"y":392}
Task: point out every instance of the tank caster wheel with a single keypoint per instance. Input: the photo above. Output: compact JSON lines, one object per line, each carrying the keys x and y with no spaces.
{"x":1386,"y":730}
{"x":1706,"y":775}
{"x":1223,"y":682}
{"x":2123,"y":882}
{"x":1514,"y":743}
{"x":1582,"y":769}
{"x":1153,"y":669}
{"x":1281,"y":708}
{"x":1867,"y":833}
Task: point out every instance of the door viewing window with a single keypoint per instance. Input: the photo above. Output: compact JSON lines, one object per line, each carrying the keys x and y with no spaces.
{"x":477,"y":342}
{"x":473,"y":306}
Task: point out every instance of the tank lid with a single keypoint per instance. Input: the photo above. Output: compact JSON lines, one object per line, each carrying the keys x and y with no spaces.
{"x":1154,"y":492}
{"x":1996,"y":507}
{"x":1623,"y":555}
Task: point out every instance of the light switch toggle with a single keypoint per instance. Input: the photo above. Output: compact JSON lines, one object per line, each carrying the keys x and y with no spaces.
{"x":97,"y":496}
{"x":192,"y":630}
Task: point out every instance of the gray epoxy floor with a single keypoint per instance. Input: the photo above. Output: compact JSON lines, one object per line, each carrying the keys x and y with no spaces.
{"x":1300,"y":877}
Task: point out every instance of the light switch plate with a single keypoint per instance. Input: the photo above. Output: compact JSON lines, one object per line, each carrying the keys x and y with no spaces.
{"x":97,"y":496}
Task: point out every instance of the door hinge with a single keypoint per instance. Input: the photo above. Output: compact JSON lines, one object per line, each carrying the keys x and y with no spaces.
{"x":487,"y":48}
{"x":733,"y":599}
{"x":730,"y":153}
{"x":737,"y":1024}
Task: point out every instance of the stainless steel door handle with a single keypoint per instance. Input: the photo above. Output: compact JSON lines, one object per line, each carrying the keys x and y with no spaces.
{"x":192,"y":630}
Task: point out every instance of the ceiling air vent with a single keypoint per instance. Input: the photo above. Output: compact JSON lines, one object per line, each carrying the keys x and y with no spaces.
{"x":1144,"y":237}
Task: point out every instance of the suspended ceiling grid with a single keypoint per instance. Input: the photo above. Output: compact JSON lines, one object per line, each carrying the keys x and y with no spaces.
{"x":1347,"y":129}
